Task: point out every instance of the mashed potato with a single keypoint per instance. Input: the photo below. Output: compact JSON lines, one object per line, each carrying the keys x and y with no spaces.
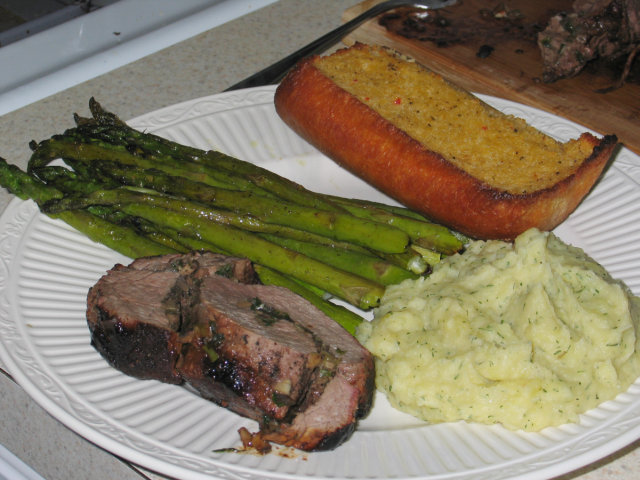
{"x":528,"y":335}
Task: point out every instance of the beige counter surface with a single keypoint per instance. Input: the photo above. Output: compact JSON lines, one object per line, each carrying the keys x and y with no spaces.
{"x":200,"y":66}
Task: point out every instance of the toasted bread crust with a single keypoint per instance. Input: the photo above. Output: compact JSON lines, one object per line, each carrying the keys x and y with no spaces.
{"x":359,"y":139}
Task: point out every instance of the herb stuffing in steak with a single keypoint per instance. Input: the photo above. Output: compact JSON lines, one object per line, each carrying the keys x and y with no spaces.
{"x":201,"y":319}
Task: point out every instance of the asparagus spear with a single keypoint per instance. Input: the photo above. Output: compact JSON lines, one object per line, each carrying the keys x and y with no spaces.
{"x":409,"y":260}
{"x":105,"y":137}
{"x":110,"y":133}
{"x":119,"y":238}
{"x":72,"y":146}
{"x":122,"y":239}
{"x":334,"y":225}
{"x":404,"y":211}
{"x":189,"y":221}
{"x":69,"y":182}
{"x":153,"y":144}
{"x":367,"y":266}
{"x":424,"y":232}
{"x":427,"y":234}
{"x":141,"y":226}
{"x":356,"y":290}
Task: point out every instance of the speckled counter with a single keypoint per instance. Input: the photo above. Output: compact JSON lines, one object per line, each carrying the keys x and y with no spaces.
{"x":205,"y":64}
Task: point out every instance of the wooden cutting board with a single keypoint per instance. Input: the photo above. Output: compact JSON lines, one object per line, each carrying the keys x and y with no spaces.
{"x":513,"y":70}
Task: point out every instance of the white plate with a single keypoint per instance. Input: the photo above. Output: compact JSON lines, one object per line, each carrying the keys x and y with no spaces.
{"x":46,"y":268}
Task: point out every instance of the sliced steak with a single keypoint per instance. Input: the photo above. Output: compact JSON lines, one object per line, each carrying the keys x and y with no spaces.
{"x":200,"y":319}
{"x":145,"y":349}
{"x":134,"y":311}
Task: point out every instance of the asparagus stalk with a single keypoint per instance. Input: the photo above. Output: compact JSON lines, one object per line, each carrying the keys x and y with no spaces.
{"x":119,"y":238}
{"x":125,"y":241}
{"x":189,"y":221}
{"x":110,"y":133}
{"x":404,"y":211}
{"x":434,"y":236}
{"x":427,"y":234}
{"x":240,"y":198}
{"x":161,"y":182}
{"x":422,"y":231}
{"x":356,"y":290}
{"x":140,"y":225}
{"x":71,"y":183}
{"x":367,"y":266}
{"x":189,"y":243}
{"x":410,"y":260}
{"x":260,"y":177}
{"x":86,"y":149}
{"x":253,"y":210}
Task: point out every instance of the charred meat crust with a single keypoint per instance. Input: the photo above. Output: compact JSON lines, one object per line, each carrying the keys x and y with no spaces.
{"x":263,"y":352}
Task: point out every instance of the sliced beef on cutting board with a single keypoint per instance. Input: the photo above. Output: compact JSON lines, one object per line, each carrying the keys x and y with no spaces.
{"x":262,"y":351}
{"x":607,"y":31}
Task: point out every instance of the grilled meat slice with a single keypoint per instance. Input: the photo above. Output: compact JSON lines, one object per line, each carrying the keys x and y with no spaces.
{"x":316,"y":381}
{"x":133,"y":312}
{"x":606,"y":30}
{"x":262,"y":351}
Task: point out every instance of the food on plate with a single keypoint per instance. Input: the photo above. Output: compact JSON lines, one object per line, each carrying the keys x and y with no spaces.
{"x":261,"y":351}
{"x":435,"y":147}
{"x":142,"y":195}
{"x":529,"y":335}
{"x":594,"y":30}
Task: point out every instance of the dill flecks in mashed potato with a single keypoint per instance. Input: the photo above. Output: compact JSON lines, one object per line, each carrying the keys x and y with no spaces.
{"x":528,"y":335}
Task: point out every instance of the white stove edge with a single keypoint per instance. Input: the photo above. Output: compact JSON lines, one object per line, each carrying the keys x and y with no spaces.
{"x":103,"y":40}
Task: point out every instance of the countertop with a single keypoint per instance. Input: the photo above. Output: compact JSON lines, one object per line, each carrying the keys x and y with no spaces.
{"x":200,"y":66}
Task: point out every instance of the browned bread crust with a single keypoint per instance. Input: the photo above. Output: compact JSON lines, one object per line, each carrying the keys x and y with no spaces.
{"x":358,"y":138}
